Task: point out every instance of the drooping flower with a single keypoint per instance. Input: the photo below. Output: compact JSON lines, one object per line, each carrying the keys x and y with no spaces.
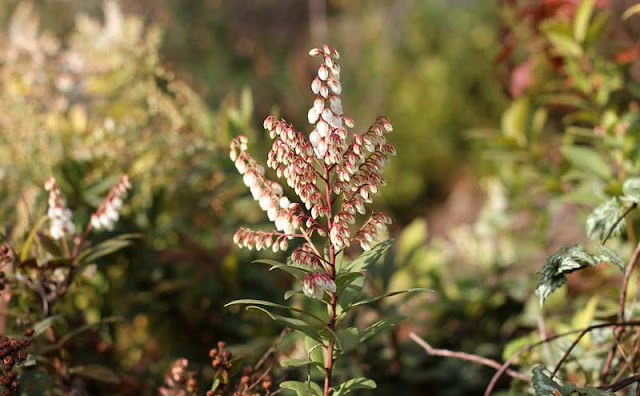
{"x":109,"y":211}
{"x":316,"y":284}
{"x":59,"y":214}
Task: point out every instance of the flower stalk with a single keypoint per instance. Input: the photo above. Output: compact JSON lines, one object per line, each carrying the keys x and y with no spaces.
{"x":334,"y":172}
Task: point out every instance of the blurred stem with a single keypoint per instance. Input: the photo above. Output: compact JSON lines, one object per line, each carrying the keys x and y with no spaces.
{"x":328,"y":365}
{"x":318,"y":21}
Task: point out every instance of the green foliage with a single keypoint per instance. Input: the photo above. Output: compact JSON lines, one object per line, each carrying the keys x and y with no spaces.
{"x":567,"y":260}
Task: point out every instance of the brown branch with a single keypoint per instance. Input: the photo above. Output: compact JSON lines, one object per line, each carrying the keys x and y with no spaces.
{"x":568,"y":352}
{"x":622,"y":305}
{"x":622,"y":216}
{"x":272,"y":348}
{"x":621,"y":384}
{"x":505,"y":365}
{"x":465,"y":356}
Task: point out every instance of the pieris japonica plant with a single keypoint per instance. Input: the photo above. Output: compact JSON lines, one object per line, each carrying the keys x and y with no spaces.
{"x":334,"y":173}
{"x":46,"y":262}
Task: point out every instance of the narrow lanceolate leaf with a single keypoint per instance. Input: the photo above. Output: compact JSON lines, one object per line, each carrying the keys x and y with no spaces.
{"x":581,"y":21}
{"x":353,"y":384}
{"x":302,"y":388}
{"x":380,"y":325}
{"x":274,"y":305}
{"x":556,"y":266}
{"x":292,"y":323}
{"x":588,"y":160}
{"x":96,"y":372}
{"x":26,"y":247}
{"x":369,"y":258}
{"x":603,"y":218}
{"x":44,"y":324}
{"x":631,"y":190}
{"x":395,"y":293}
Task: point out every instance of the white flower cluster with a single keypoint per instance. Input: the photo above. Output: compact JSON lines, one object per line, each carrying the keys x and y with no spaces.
{"x":316,"y":284}
{"x":109,"y":211}
{"x":329,"y":136}
{"x":269,"y":194}
{"x":59,"y":214}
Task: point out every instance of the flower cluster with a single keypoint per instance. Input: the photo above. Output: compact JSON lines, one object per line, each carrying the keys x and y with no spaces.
{"x":316,"y":284}
{"x":178,"y":381}
{"x":334,"y":172}
{"x":12,"y":352}
{"x":109,"y":211}
{"x":59,"y":214}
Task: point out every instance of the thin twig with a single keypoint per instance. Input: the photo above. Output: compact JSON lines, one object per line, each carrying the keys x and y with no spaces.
{"x":621,"y":384}
{"x":526,"y":348}
{"x":621,"y":308}
{"x":566,"y":354}
{"x":272,"y":348}
{"x":465,"y":356}
{"x":622,"y":216}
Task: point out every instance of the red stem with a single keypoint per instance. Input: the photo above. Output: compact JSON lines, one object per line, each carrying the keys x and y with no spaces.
{"x":328,"y":365}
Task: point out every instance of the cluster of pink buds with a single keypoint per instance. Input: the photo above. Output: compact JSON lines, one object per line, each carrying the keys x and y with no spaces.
{"x":334,"y":171}
{"x":58,"y":212}
{"x":316,"y":284}
{"x":109,"y":211}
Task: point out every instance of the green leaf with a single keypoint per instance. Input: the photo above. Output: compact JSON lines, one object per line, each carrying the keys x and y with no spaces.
{"x":44,"y":324}
{"x":587,"y":159}
{"x":302,"y":388}
{"x":631,"y":190}
{"x":315,"y":351}
{"x":350,"y":293}
{"x":248,"y":301}
{"x":565,"y":45}
{"x":581,"y":21}
{"x":556,"y":266}
{"x":603,"y":217}
{"x":395,"y":293}
{"x":380,"y":325}
{"x":353,"y":384}
{"x":369,"y":258}
{"x":96,"y":372}
{"x":299,"y":363}
{"x":543,"y":385}
{"x":290,"y":293}
{"x":514,"y":121}
{"x":295,"y":324}
{"x":107,"y":247}
{"x":26,"y":247}
{"x":297,"y":272}
{"x":348,"y":338}
{"x":606,"y":254}
{"x":344,"y":280}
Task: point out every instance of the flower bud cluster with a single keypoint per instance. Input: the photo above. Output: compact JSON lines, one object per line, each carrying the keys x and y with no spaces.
{"x":59,"y":214}
{"x":178,"y":381}
{"x":109,"y":211}
{"x":316,"y":284}
{"x":304,"y":256}
{"x":269,"y":194}
{"x":329,"y":136}
{"x":370,"y":231}
{"x":291,"y":156}
{"x":12,"y":353}
{"x":248,"y":238}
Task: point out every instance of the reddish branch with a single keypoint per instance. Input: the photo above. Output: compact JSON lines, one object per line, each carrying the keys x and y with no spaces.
{"x":622,"y":306}
{"x":465,"y":356}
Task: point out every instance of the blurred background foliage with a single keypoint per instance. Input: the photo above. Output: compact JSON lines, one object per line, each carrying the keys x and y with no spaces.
{"x":479,"y":100}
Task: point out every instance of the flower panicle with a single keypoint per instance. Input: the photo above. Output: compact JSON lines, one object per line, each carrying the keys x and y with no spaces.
{"x":108,"y":212}
{"x":348,"y":164}
{"x":58,"y":212}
